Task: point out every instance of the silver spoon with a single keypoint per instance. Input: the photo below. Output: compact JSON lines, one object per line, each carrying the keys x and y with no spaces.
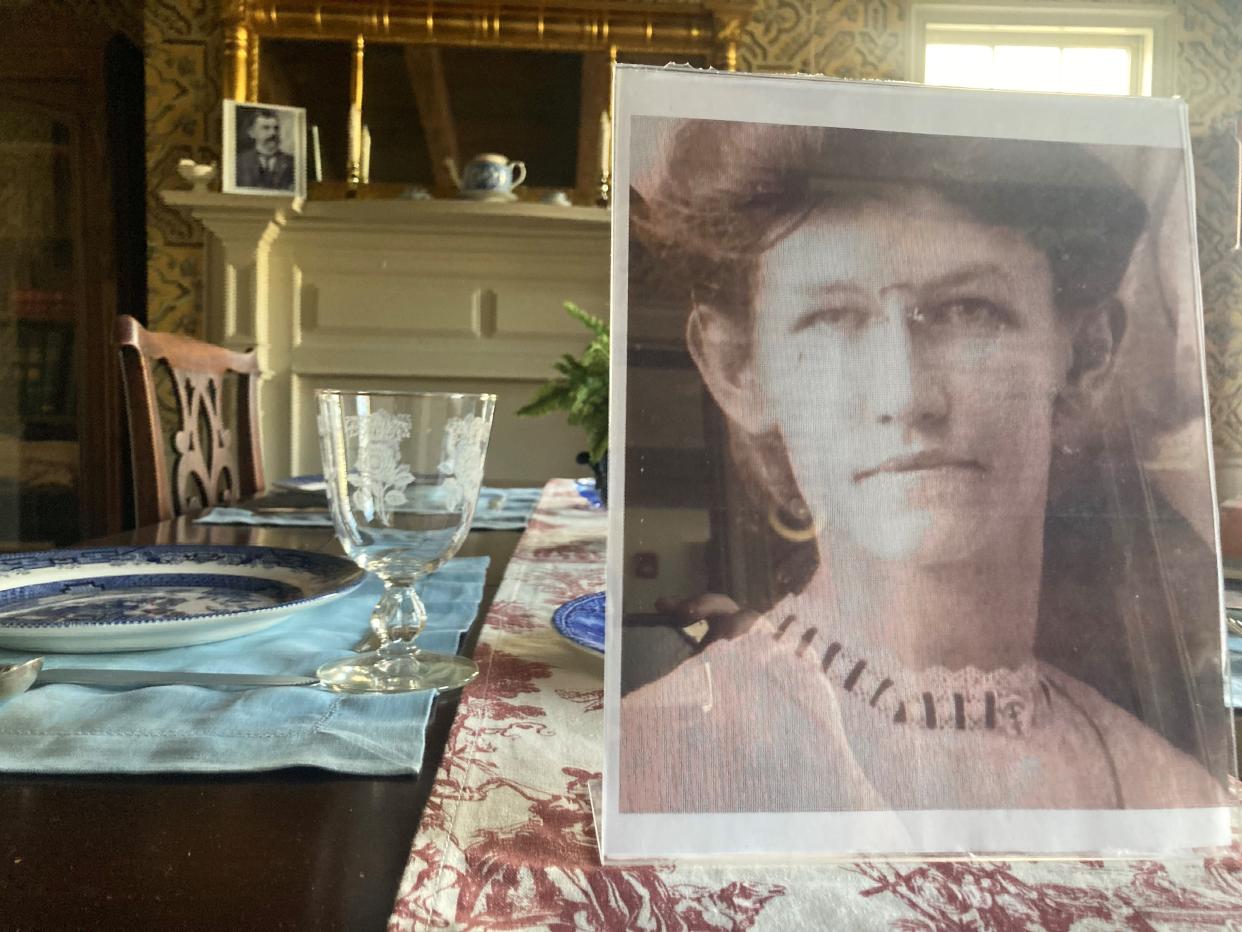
{"x":16,"y":678}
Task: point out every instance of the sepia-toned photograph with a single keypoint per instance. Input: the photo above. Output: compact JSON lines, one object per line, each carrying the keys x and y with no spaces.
{"x":264,"y":149}
{"x":916,"y":425}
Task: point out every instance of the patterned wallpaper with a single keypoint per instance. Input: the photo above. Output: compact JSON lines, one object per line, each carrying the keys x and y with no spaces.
{"x":845,"y":38}
{"x":1210,"y":78}
{"x":184,"y":53}
{"x":842,"y":38}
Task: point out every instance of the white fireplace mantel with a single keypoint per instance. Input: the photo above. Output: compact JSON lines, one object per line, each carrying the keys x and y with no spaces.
{"x":439,"y":295}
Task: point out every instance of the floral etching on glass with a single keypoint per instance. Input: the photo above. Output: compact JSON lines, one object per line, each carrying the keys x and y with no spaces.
{"x":462,"y":465}
{"x":380,"y":484}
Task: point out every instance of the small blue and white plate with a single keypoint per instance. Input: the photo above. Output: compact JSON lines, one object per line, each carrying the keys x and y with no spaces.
{"x":586,"y":488}
{"x":147,"y":598}
{"x":312,"y":483}
{"x":582,"y":621}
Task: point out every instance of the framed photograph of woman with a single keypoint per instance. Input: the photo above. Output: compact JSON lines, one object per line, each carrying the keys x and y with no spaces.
{"x":909,"y":404}
{"x":264,"y":149}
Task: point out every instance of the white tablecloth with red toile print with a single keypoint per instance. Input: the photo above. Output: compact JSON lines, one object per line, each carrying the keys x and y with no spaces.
{"x":507,"y":839}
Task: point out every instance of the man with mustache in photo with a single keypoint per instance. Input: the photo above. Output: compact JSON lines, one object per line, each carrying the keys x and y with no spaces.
{"x":263,"y":164}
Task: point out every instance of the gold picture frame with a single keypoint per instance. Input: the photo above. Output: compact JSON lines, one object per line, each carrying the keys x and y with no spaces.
{"x":704,"y":29}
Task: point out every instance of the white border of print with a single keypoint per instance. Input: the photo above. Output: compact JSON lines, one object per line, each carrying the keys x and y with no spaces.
{"x":758,"y":837}
{"x":228,"y":178}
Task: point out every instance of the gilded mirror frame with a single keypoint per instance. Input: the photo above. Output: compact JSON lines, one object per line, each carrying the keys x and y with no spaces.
{"x":707,"y":29}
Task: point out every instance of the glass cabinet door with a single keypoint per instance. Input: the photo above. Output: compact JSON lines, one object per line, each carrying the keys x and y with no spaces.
{"x":40,"y":291}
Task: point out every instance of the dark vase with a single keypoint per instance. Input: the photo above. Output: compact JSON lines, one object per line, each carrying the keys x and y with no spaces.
{"x":600,"y":469}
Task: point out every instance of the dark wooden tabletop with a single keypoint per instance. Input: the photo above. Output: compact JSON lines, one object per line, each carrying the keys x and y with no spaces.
{"x":290,"y":849}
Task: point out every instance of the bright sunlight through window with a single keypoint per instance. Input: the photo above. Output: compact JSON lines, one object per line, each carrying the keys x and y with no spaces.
{"x":1078,"y":69}
{"x":1121,"y":47}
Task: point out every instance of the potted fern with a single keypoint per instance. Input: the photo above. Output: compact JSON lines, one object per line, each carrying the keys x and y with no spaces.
{"x":582,"y":391}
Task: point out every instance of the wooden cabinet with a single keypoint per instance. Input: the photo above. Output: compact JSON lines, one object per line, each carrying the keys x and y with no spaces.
{"x":70,"y":128}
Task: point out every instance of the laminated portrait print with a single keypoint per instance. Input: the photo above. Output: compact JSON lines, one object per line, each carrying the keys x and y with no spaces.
{"x":913,"y":546}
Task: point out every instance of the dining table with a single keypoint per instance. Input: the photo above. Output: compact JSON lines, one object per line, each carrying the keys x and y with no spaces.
{"x":295,"y":848}
{"x":496,"y":830}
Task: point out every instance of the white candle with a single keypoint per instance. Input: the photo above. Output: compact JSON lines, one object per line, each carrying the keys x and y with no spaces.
{"x":316,"y":155}
{"x":364,"y":170}
{"x":355,"y":140}
{"x":605,"y":145}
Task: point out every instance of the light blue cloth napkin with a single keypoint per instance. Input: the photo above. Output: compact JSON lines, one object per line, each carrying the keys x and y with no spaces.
{"x":498,"y":510}
{"x":77,"y":729}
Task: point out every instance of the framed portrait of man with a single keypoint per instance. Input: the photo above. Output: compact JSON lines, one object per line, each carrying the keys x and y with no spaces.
{"x":264,"y":149}
{"x":909,"y":407}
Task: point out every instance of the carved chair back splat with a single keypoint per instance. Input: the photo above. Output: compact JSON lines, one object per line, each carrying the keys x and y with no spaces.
{"x":215,"y":464}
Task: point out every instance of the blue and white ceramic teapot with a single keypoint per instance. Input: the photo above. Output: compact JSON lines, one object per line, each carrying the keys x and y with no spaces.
{"x":488,"y":174}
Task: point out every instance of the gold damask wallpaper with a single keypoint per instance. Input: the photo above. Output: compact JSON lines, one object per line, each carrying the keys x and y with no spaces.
{"x":845,"y":38}
{"x":184,"y":50}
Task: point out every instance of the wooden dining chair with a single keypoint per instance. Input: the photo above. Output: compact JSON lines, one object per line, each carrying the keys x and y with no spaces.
{"x":214,"y":463}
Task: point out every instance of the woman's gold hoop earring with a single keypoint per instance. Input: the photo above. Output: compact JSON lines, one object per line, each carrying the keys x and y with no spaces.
{"x":796,"y":535}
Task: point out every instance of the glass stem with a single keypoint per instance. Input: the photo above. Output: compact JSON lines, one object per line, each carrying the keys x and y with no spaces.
{"x":384,"y":612}
{"x":405,"y":620}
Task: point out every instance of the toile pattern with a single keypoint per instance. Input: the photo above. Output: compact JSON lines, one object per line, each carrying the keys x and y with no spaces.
{"x":507,"y":839}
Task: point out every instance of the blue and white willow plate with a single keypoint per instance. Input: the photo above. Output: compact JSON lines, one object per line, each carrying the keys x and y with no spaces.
{"x":582,"y":621}
{"x":586,"y":488}
{"x":146,"y":598}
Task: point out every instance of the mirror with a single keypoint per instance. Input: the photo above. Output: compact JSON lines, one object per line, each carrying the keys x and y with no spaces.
{"x":447,"y":82}
{"x":423,"y":104}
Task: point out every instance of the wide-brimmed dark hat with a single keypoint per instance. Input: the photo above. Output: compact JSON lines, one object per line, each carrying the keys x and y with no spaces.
{"x":732,"y":190}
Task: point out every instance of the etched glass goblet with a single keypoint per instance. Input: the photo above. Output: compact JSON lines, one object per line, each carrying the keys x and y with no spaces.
{"x":403,"y":471}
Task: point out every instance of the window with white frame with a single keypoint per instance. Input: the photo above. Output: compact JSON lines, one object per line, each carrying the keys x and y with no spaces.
{"x":1096,"y":49}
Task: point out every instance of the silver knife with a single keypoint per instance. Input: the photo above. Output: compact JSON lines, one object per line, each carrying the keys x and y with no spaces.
{"x":129,"y":678}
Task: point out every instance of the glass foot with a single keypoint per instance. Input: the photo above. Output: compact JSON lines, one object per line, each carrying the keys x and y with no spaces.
{"x":379,"y":672}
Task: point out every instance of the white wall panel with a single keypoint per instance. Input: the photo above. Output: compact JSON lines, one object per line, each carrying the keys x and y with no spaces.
{"x":398,"y":294}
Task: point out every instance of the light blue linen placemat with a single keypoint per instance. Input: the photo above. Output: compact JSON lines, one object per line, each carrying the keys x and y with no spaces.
{"x":77,"y":729}
{"x":498,"y":510}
